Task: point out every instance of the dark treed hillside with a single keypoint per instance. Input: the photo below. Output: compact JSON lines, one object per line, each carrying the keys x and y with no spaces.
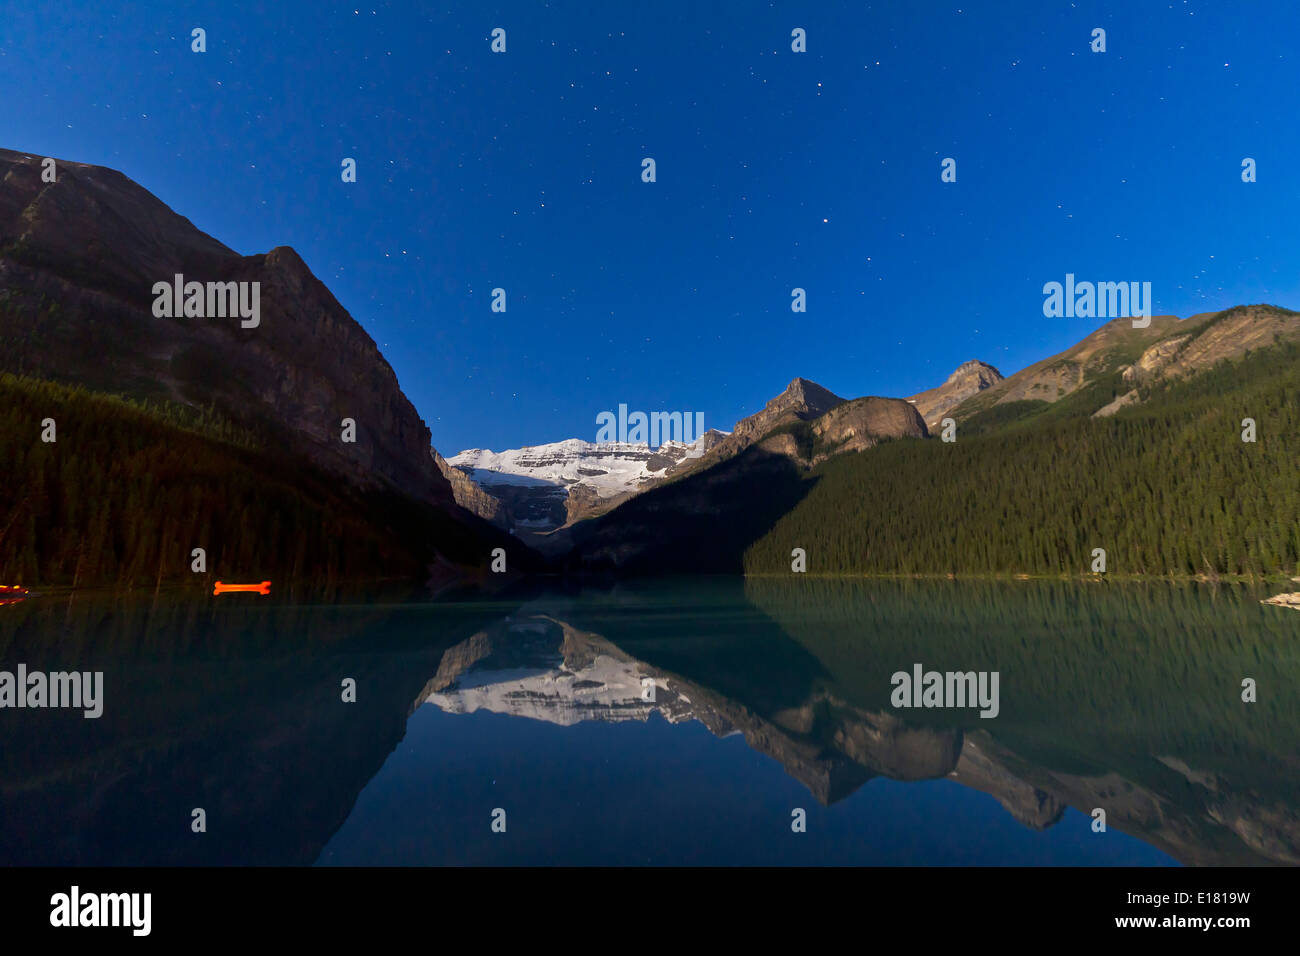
{"x":1165,"y":487}
{"x":128,"y":490}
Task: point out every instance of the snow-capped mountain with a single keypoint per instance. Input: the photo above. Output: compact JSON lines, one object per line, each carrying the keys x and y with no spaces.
{"x":544,"y":487}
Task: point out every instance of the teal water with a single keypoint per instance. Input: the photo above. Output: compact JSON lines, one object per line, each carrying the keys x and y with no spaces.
{"x":674,"y":722}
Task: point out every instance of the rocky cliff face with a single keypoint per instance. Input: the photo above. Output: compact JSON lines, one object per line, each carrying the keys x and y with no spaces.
{"x":967,"y":380}
{"x":1212,"y":339}
{"x":1155,"y":359}
{"x":1229,"y":335}
{"x":1060,"y":375}
{"x":1169,"y":347}
{"x":473,"y":498}
{"x":79,"y":258}
{"x":864,"y":422}
{"x":801,"y":401}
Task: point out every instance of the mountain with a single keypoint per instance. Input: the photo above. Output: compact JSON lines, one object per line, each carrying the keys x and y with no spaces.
{"x":1139,"y":447}
{"x":1203,"y":341}
{"x":1129,"y":441}
{"x":967,"y":380}
{"x":703,"y":518}
{"x":540,"y":488}
{"x":1105,"y":368}
{"x":802,"y":401}
{"x":1100,"y":354}
{"x":79,"y":261}
{"x":544,"y":488}
{"x":860,"y":424}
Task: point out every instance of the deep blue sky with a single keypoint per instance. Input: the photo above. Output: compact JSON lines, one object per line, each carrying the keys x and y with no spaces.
{"x":775,"y":170}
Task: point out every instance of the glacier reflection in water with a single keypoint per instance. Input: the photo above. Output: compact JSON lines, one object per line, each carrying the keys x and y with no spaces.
{"x":674,"y":722}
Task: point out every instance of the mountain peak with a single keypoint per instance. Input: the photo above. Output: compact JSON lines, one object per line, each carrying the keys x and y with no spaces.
{"x":804,"y":396}
{"x":967,"y":379}
{"x":975,"y":367}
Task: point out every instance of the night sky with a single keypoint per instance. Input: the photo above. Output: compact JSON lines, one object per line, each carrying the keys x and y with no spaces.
{"x":775,"y":170}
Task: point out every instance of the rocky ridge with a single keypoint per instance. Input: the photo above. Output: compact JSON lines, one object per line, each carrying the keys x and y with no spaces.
{"x":967,"y":380}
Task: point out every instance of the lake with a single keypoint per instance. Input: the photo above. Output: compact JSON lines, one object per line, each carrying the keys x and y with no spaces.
{"x":675,"y":722}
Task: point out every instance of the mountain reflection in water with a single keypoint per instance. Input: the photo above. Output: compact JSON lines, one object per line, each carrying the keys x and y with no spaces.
{"x":670,"y":722}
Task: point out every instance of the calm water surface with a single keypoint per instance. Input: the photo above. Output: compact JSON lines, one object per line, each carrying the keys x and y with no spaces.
{"x":674,"y":722}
